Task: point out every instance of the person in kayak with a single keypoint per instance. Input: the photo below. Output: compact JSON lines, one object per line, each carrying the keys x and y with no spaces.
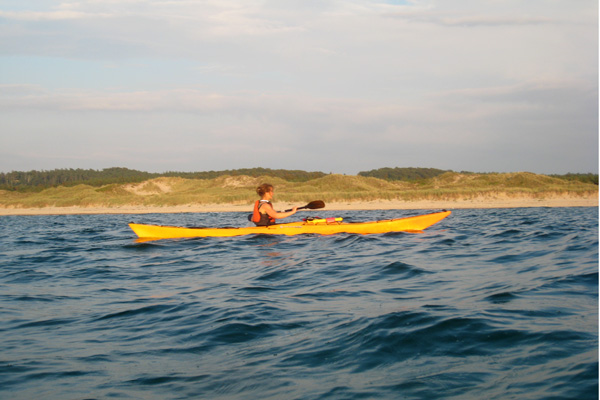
{"x":264,"y":214}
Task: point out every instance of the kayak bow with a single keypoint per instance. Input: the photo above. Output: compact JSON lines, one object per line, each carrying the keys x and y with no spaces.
{"x":328,"y":226}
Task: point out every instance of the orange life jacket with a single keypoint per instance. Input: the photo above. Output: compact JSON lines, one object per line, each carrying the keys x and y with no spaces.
{"x":261,"y":219}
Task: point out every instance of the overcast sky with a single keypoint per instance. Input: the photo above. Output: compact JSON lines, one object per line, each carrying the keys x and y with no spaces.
{"x":332,"y":86}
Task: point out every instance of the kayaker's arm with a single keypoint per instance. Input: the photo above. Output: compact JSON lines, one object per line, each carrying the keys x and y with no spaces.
{"x":278,"y":215}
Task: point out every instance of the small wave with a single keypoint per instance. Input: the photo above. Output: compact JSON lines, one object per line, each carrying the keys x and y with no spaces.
{"x":332,"y":294}
{"x":522,"y":256}
{"x":446,"y":242}
{"x":403,"y":270}
{"x":501,"y":298}
{"x":278,"y":275}
{"x":581,"y":284}
{"x":349,"y":240}
{"x":398,"y":337}
{"x":143,"y":311}
{"x":239,"y":332}
{"x":257,"y":289}
{"x":47,"y":375}
{"x":141,"y":245}
{"x":36,"y":298}
{"x":32,"y":376}
{"x":26,"y":275}
{"x":507,"y":233}
{"x":47,"y":323}
{"x":588,"y":279}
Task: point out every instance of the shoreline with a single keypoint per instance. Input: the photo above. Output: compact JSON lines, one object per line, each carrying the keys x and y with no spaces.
{"x":333,"y":206}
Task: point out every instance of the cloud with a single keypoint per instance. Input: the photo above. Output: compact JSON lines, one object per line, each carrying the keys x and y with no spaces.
{"x":454,"y":82}
{"x":58,"y":15}
{"x":466,"y":112}
{"x":489,"y":21}
{"x":40,"y":16}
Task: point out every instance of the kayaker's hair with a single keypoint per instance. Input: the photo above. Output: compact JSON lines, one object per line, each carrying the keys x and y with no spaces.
{"x":264,"y":188}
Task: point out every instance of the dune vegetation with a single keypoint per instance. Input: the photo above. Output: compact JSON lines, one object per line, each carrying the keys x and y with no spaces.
{"x":240,"y":190}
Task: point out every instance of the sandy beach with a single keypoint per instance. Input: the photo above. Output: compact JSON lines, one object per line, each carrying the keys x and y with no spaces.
{"x":507,"y":202}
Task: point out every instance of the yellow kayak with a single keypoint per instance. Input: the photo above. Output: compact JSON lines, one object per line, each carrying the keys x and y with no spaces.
{"x":326,"y":226}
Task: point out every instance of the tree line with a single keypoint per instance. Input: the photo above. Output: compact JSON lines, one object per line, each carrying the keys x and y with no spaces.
{"x":39,"y":180}
{"x":585,"y":178}
{"x":285,"y":174}
{"x":416,"y":174}
{"x":403,"y":174}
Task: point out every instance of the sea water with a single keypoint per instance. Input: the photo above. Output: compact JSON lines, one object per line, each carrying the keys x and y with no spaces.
{"x":487,"y":304}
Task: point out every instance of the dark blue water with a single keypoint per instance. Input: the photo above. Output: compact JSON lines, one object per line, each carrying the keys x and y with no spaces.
{"x":487,"y":304}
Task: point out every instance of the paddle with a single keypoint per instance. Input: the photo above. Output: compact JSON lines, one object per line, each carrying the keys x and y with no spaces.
{"x":313,"y":205}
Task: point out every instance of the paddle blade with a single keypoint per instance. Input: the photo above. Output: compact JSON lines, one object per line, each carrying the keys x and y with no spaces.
{"x":313,"y":205}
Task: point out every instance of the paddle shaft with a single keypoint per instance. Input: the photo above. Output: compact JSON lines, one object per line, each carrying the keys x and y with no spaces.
{"x":299,"y":208}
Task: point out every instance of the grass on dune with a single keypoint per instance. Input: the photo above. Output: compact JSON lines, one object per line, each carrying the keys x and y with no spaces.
{"x":330,"y":188}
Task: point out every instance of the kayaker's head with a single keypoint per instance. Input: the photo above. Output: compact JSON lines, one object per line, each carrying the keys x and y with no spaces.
{"x":265,"y":191}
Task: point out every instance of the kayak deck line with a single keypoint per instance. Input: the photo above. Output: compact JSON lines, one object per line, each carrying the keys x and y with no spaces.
{"x":326,"y":226}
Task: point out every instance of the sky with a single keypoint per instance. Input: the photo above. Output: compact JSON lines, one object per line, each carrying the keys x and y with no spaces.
{"x":328,"y":85}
